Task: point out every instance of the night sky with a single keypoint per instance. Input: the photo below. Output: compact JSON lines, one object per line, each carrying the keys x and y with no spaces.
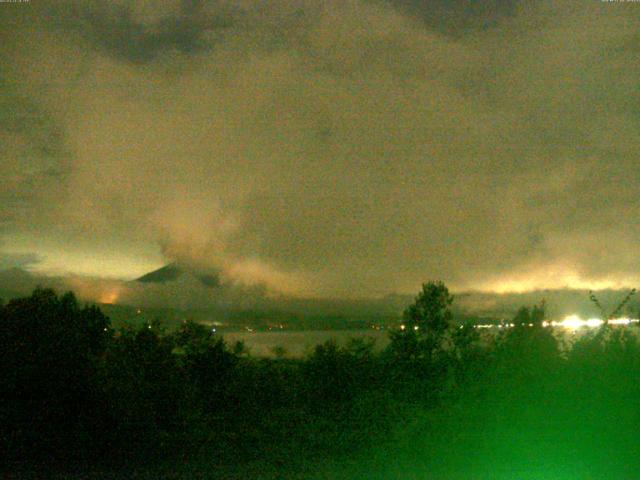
{"x":323,"y":148}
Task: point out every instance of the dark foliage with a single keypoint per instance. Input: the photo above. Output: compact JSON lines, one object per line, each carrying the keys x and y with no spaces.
{"x":49,"y":351}
{"x":76,"y":394}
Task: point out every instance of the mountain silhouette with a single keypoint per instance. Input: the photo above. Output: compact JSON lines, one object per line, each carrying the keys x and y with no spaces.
{"x":173,"y":271}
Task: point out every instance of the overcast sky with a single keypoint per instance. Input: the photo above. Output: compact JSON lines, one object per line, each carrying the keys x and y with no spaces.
{"x":325,"y":148}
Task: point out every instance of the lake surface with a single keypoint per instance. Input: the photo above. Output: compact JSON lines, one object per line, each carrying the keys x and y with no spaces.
{"x":299,"y":343}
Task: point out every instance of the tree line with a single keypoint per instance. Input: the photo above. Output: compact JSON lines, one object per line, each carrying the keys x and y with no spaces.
{"x":74,"y":391}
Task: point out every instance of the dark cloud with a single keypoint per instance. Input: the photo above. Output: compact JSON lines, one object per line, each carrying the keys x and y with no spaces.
{"x":460,"y":17}
{"x":139,"y":32}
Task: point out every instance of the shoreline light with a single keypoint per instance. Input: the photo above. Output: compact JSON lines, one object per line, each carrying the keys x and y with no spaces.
{"x":571,"y":322}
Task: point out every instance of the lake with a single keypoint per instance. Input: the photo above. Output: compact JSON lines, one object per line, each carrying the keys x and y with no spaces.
{"x":299,"y":343}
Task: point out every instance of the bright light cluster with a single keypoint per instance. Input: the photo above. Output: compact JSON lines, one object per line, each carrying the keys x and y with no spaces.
{"x":571,"y":322}
{"x":574,"y":322}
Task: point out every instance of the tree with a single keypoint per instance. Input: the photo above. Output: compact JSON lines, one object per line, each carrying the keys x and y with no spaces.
{"x":425,"y":323}
{"x":430,"y":312}
{"x":522,"y":317}
{"x":529,"y":348}
{"x":49,"y":347}
{"x":538,"y":313}
{"x":207,"y":361}
{"x":533,"y":316}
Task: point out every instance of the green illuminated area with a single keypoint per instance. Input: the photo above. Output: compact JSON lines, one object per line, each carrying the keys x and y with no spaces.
{"x":440,"y":402}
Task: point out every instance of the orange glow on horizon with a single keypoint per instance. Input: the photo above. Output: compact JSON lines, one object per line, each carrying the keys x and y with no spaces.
{"x":109,"y":297}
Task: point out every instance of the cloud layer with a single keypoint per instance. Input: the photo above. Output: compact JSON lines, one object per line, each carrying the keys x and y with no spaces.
{"x":345,"y":148}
